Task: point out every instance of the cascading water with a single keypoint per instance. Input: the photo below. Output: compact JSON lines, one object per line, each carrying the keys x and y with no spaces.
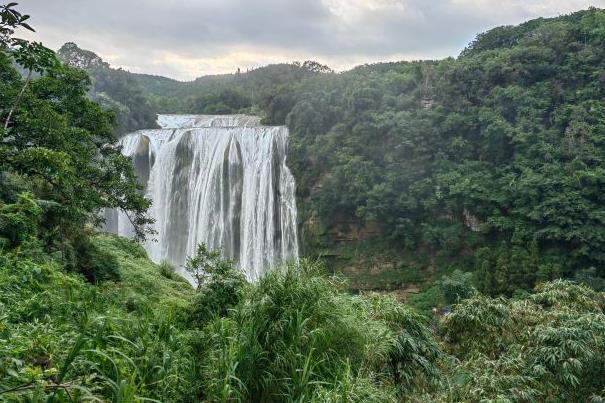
{"x":221,"y":180}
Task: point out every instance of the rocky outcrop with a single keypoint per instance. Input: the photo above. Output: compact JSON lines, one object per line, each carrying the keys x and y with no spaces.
{"x":73,"y":56}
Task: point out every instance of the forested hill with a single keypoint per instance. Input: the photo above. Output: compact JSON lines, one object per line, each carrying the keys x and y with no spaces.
{"x":490,"y":161}
{"x":115,"y":89}
{"x":136,"y":98}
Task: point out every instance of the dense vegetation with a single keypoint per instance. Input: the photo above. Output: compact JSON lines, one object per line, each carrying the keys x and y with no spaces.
{"x":492,"y":160}
{"x":63,"y":339}
{"x":498,"y":153}
{"x":294,"y":336}
{"x":59,"y":165}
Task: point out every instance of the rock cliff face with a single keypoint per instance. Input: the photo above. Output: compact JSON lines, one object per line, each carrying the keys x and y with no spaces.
{"x":73,"y":56}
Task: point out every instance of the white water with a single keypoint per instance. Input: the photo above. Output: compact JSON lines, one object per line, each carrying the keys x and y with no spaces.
{"x":221,"y":180}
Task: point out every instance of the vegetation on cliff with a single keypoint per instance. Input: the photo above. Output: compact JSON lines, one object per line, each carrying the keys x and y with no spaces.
{"x":498,"y":153}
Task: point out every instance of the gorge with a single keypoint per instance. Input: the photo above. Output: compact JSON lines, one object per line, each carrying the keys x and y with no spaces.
{"x":217,"y":179}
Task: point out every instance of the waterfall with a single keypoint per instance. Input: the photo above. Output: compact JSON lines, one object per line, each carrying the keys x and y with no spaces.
{"x":221,"y":180}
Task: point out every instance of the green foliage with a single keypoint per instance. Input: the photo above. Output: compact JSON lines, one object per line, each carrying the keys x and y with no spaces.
{"x":59,"y":146}
{"x":415,"y":351}
{"x":133,"y":248}
{"x":505,"y":269}
{"x":428,"y":300}
{"x":62,"y":339}
{"x":295,"y":337}
{"x":33,"y":56}
{"x":168,"y":270}
{"x":19,"y":221}
{"x":227,"y":101}
{"x":119,"y":92}
{"x":546,"y":347}
{"x":457,"y":286}
{"x":221,"y":290}
{"x":204,"y":264}
{"x":10,"y":20}
{"x":115,"y":89}
{"x":93,"y":263}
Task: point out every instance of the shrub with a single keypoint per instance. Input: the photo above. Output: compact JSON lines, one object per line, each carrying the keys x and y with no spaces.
{"x":19,"y":221}
{"x":414,"y":351}
{"x":167,"y":270}
{"x":63,"y":339}
{"x":549,"y":346}
{"x":478,"y":324}
{"x":504,"y":269}
{"x":203,"y":263}
{"x":222,"y":290}
{"x":94,"y":264}
{"x":457,"y":286}
{"x":219,"y":284}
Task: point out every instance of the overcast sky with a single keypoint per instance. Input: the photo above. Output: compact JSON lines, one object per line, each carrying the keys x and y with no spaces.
{"x":185,"y":39}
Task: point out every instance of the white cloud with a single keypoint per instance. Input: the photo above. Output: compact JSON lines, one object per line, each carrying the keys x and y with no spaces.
{"x":188,"y":38}
{"x":350,"y":10}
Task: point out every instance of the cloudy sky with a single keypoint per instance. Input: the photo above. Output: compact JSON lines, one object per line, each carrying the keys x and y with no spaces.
{"x":185,"y":39}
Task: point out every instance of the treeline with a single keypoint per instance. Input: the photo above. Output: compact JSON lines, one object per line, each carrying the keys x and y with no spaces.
{"x":136,"y":99}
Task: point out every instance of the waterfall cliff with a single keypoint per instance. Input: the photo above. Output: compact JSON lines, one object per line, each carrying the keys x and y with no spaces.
{"x":222,"y":180}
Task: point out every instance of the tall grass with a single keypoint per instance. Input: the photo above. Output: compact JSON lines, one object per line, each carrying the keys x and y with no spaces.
{"x":63,"y":339}
{"x":298,"y":336}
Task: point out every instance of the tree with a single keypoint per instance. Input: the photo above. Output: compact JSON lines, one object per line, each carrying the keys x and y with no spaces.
{"x":220,"y":284}
{"x":32,"y":56}
{"x":10,"y":20}
{"x":203,"y":264}
{"x":59,"y":146}
{"x":457,"y":286}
